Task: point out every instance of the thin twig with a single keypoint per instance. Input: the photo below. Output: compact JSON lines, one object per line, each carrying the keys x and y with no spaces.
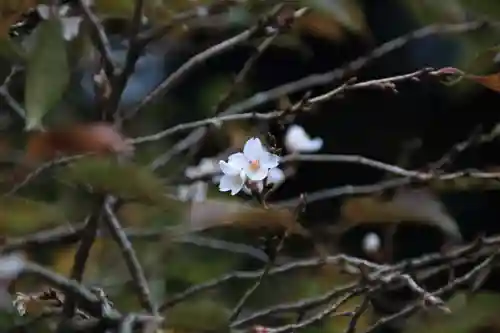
{"x":358,"y":312}
{"x":130,"y":257}
{"x":188,"y":66}
{"x":240,"y":77}
{"x":202,"y":57}
{"x":100,"y":39}
{"x":87,"y":240}
{"x":330,"y":310}
{"x":85,"y":298}
{"x":4,"y":92}
{"x":411,"y":309}
{"x":378,"y":83}
{"x":298,"y":306}
{"x":314,"y":80}
{"x":135,"y":49}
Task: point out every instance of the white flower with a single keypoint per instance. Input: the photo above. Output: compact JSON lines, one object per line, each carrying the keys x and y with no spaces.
{"x":371,"y":243}
{"x":70,"y":24}
{"x":233,"y":179}
{"x":275,"y":176}
{"x":248,"y":171}
{"x":255,"y":160}
{"x":297,"y":140}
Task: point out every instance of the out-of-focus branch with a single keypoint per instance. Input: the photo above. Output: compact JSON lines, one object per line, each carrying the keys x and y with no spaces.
{"x":384,"y":83}
{"x":315,"y":80}
{"x":131,"y":260}
{"x":100,"y":39}
{"x":202,"y":57}
{"x":4,"y":92}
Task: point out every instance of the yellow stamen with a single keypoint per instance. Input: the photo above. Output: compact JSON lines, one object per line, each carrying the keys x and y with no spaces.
{"x":254,"y":165}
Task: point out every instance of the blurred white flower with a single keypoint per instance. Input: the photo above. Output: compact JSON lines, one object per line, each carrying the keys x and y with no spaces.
{"x":371,"y":243}
{"x":10,"y":267}
{"x":196,"y":192}
{"x":297,"y":140}
{"x":255,"y":160}
{"x":275,"y":176}
{"x":207,"y":166}
{"x":70,"y":24}
{"x":233,"y":179}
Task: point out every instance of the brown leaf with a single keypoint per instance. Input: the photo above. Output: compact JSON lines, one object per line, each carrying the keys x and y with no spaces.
{"x":216,"y":213}
{"x":408,"y":205}
{"x":10,"y":13}
{"x":491,"y":81}
{"x":99,"y":138}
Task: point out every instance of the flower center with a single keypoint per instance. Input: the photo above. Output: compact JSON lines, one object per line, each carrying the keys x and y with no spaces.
{"x":254,"y":165}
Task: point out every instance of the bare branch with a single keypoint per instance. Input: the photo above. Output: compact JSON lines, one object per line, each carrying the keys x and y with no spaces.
{"x":379,"y":83}
{"x":130,"y":257}
{"x":100,"y":39}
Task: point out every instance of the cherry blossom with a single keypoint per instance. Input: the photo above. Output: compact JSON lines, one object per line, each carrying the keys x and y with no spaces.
{"x":250,"y":170}
{"x":233,"y":178}
{"x":298,"y":140}
{"x":255,"y":160}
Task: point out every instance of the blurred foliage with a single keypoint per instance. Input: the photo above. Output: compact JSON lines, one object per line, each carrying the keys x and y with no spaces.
{"x":53,"y":67}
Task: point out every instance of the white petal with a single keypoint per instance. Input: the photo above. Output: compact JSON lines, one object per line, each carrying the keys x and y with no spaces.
{"x":297,"y":140}
{"x":228,"y":169}
{"x":312,"y":145}
{"x":192,"y":171}
{"x":199,"y":191}
{"x":238,"y":160}
{"x":71,"y":27}
{"x":255,"y":175}
{"x":43,"y":11}
{"x":269,"y":161}
{"x":183,"y":193}
{"x":275,"y":176}
{"x":253,"y":149}
{"x":11,"y":266}
{"x":63,"y":10}
{"x":371,"y":243}
{"x":207,"y":166}
{"x":232,"y":183}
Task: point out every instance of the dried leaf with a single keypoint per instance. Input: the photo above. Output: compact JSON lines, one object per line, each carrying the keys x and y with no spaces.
{"x":491,"y":81}
{"x":407,"y":205}
{"x":47,"y":72}
{"x":217,"y":213}
{"x":97,"y":138}
{"x":10,"y":13}
{"x":125,"y":180}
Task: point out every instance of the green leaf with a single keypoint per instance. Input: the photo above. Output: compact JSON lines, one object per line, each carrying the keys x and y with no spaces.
{"x":47,"y":72}
{"x":125,"y":180}
{"x":20,"y":215}
{"x":11,"y":51}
